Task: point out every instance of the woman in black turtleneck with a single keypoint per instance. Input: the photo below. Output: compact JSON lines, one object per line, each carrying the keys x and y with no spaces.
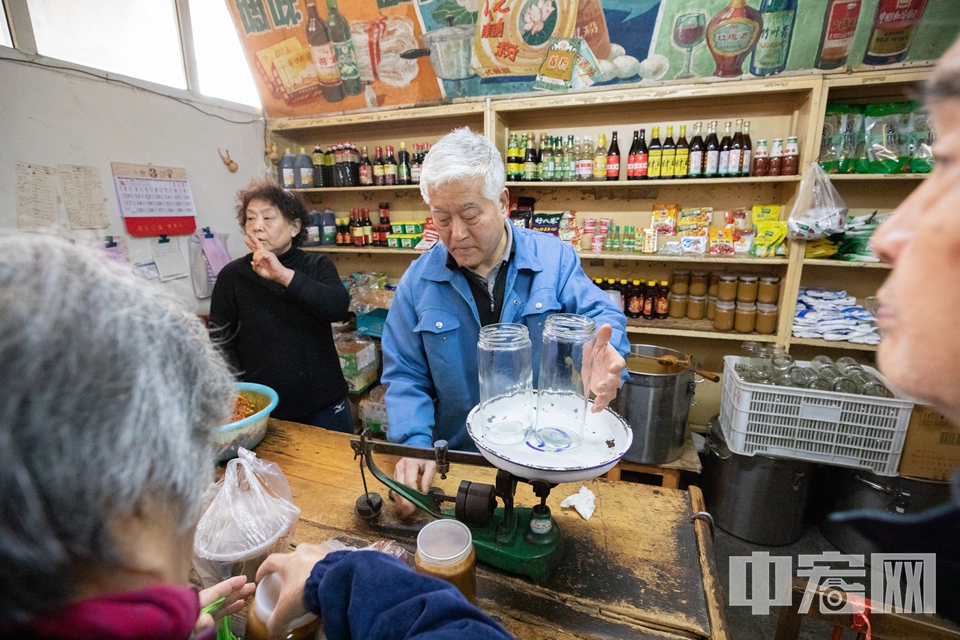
{"x":271,"y":311}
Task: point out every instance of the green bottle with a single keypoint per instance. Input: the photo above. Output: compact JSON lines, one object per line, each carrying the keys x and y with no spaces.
{"x":343,"y":46}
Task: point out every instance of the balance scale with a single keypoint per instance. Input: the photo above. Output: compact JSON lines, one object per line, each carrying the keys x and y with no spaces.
{"x":521,"y":540}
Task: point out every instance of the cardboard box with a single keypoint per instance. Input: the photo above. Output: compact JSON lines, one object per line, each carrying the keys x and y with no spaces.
{"x":371,"y":324}
{"x":364,"y":378}
{"x":931,"y":449}
{"x":355,"y":356}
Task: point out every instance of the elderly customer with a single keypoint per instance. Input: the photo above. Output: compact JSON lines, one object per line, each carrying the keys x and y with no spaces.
{"x":484,"y":272}
{"x":271,"y":311}
{"x":110,"y":393}
{"x":918,"y":314}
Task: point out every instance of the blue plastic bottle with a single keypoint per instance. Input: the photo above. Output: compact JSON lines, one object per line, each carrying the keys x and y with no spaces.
{"x":286,"y":171}
{"x":303,"y":176}
{"x":328,"y":227}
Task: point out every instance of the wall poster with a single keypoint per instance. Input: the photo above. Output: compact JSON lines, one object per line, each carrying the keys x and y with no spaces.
{"x":314,"y":57}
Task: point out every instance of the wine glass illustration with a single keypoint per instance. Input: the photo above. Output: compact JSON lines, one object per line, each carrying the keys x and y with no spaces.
{"x":688,"y":32}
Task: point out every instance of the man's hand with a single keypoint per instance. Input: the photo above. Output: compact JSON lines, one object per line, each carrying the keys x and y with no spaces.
{"x":266,"y":264}
{"x":602,"y":365}
{"x":416,"y":473}
{"x":293,"y":570}
{"x":234,"y":591}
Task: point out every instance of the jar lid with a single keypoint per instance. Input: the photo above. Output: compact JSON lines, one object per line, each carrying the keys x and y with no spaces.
{"x":728,"y":277}
{"x":678,"y":296}
{"x":725,"y":305}
{"x":711,"y":298}
{"x":770,"y":279}
{"x":699,"y":274}
{"x":746,"y":306}
{"x":748,"y":278}
{"x":766,"y":308}
{"x":445,"y":542}
{"x":680,"y":272}
{"x":698,"y":298}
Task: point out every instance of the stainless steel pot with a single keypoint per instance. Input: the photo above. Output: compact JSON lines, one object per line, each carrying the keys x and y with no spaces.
{"x":859,"y":489}
{"x":655,"y":402}
{"x":756,"y":498}
{"x":450,"y":49}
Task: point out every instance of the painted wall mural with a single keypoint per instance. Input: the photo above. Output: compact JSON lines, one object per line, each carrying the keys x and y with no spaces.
{"x":324,"y":56}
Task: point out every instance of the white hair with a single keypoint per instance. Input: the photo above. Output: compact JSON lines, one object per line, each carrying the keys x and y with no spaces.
{"x":110,"y":391}
{"x":461,"y":156}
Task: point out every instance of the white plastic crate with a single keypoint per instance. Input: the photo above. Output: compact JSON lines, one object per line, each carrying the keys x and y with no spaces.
{"x":842,"y":429}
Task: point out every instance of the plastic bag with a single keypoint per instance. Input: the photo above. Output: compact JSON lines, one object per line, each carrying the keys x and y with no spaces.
{"x":819,"y":210}
{"x":250,"y":515}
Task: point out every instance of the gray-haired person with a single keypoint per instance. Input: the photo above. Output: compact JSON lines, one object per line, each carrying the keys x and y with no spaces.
{"x":110,"y":391}
{"x":484,"y":272}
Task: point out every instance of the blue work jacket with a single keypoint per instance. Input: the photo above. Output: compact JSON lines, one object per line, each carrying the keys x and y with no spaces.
{"x":432,"y":330}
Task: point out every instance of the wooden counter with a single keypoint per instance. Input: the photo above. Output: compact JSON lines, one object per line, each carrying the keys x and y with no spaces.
{"x":639,"y":568}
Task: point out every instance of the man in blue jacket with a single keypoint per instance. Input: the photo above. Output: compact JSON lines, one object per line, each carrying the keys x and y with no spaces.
{"x":484,"y":272}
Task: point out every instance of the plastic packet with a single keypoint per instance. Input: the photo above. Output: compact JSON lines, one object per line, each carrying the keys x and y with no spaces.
{"x":885,"y":126}
{"x":853,"y":147}
{"x":664,"y":220}
{"x":250,"y":515}
{"x":921,"y":142}
{"x":819,"y":210}
{"x":771,"y":236}
{"x":831,"y":138}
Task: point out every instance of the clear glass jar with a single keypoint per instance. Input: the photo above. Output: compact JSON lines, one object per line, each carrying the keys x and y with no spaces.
{"x":696,"y":307}
{"x":727,"y":288}
{"x":747,"y":289}
{"x":821,"y":384}
{"x":699,"y":282}
{"x":677,"y":305}
{"x":867,"y":384}
{"x":723,"y":317}
{"x":445,"y":551}
{"x":681,"y":282}
{"x":745,"y":318}
{"x":820,"y":361}
{"x":265,"y":601}
{"x":562,"y":398}
{"x":766,"y":318}
{"x":768,"y":290}
{"x":782,"y":362}
{"x":846,"y":362}
{"x":711,"y":307}
{"x":713,"y":285}
{"x":506,"y":383}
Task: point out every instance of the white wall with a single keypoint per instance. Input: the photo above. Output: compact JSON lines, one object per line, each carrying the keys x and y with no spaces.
{"x":51,"y":117}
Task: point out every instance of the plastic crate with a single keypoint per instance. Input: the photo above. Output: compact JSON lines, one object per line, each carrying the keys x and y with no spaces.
{"x":841,"y":429}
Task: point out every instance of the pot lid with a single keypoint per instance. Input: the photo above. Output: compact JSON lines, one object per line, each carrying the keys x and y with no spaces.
{"x":446,"y":34}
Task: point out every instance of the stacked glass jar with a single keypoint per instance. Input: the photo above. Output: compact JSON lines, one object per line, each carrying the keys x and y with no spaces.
{"x":761,"y":364}
{"x":744,"y":303}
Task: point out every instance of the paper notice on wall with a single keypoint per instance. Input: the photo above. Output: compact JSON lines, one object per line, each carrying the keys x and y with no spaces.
{"x":167,"y":256}
{"x":36,"y":198}
{"x":147,"y":270}
{"x":83,"y":196}
{"x":116,"y":248}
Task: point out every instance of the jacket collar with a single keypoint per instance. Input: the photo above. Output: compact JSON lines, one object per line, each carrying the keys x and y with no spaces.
{"x":524,"y":257}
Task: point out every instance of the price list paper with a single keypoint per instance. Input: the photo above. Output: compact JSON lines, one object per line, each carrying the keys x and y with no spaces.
{"x":36,"y":198}
{"x":154,"y":200}
{"x":83,"y":196}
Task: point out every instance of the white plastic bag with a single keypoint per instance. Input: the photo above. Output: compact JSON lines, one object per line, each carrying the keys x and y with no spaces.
{"x":250,"y":516}
{"x":819,"y":211}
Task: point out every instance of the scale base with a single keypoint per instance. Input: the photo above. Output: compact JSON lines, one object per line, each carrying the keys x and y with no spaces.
{"x":520,"y":551}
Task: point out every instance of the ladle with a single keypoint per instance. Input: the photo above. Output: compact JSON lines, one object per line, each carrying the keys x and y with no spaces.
{"x":668,"y":360}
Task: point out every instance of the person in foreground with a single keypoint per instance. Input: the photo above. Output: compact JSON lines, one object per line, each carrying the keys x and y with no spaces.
{"x":111,"y":391}
{"x":271,"y":311}
{"x":921,"y":345}
{"x":485,"y":271}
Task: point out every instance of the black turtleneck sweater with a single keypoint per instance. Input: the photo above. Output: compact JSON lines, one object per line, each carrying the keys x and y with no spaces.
{"x":280,"y":336}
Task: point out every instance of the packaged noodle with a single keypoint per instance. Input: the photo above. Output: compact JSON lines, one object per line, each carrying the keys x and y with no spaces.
{"x":831,"y":138}
{"x":664,"y":220}
{"x":853,"y":147}
{"x":885,"y":126}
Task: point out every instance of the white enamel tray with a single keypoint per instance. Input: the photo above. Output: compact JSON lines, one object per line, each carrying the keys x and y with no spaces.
{"x":607,"y":437}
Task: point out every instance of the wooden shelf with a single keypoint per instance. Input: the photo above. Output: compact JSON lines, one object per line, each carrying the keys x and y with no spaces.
{"x":395,"y":187}
{"x":832,"y":344}
{"x":690,"y":329}
{"x":413,"y":253}
{"x":627,"y":184}
{"x":826,"y":262}
{"x":694,"y":258}
{"x":881,"y":177}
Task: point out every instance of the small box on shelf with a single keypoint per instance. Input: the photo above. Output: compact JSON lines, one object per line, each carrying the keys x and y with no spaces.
{"x":371,"y":324}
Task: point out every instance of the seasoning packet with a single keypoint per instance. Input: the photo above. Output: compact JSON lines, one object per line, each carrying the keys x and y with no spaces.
{"x":885,"y":126}
{"x":694,"y":222}
{"x":558,"y":66}
{"x":771,"y":235}
{"x":721,"y":242}
{"x":558,"y":224}
{"x":693,"y":244}
{"x":921,"y":141}
{"x":765,"y":213}
{"x":664,"y":219}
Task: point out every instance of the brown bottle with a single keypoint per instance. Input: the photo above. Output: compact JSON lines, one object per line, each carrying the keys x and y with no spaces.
{"x":661,"y":307}
{"x":379,"y":179}
{"x":650,"y":300}
{"x":389,"y":168}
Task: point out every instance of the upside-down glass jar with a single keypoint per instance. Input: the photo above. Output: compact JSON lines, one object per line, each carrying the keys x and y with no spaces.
{"x":506,"y":383}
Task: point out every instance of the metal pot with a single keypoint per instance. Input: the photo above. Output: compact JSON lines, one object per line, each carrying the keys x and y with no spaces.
{"x":756,"y":498}
{"x":860,"y":489}
{"x":655,"y":402}
{"x":450,"y":49}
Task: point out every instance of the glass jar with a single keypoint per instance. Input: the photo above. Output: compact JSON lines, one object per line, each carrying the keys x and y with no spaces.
{"x":505,"y":363}
{"x":711,"y":307}
{"x":818,"y":362}
{"x":867,"y":384}
{"x":767,"y":315}
{"x":782,"y":362}
{"x":847,"y":362}
{"x":265,"y":601}
{"x":747,"y":289}
{"x":768,"y":290}
{"x":713,"y":284}
{"x":562,"y":398}
{"x":677,"y":305}
{"x":724,"y":315}
{"x":681,"y":282}
{"x":696,"y":307}
{"x":445,"y":551}
{"x":699,"y":281}
{"x":727,"y":288}
{"x":818,"y":383}
{"x":745,"y":318}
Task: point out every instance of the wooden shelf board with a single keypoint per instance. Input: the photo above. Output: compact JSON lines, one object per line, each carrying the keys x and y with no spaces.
{"x":881,"y":177}
{"x":695,"y":258}
{"x":826,"y":262}
{"x":456,"y":111}
{"x":690,"y":329}
{"x":627,"y":184}
{"x":395,"y":187}
{"x":364,"y":250}
{"x":832,"y":344}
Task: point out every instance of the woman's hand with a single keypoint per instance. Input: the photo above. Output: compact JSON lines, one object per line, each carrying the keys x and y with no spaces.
{"x":293,"y":569}
{"x":234,"y":591}
{"x":266,"y":264}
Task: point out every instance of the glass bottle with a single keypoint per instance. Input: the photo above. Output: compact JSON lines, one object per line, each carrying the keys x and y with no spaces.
{"x":731,"y":35}
{"x":697,"y":154}
{"x":389,"y":168}
{"x":600,"y":158}
{"x":746,"y":157}
{"x":669,"y":156}
{"x":650,"y":300}
{"x":570,"y":160}
{"x":682,"y":160}
{"x":541,"y":148}
{"x":613,"y":159}
{"x":725,"y":144}
{"x":773,"y":44}
{"x":562,"y":397}
{"x":839,"y":27}
{"x":655,"y":157}
{"x":379,"y":177}
{"x":643,"y":158}
{"x":586,"y":160}
{"x":776,"y":157}
{"x":403,"y":165}
{"x":329,"y":168}
{"x":317,"y":160}
{"x":505,"y":364}
{"x":761,"y":160}
{"x":324,"y":55}
{"x":513,"y":159}
{"x":791,"y":157}
{"x":736,"y":151}
{"x":712,"y":166}
{"x":548,"y":161}
{"x":416,"y":164}
{"x":366,"y":169}
{"x":530,"y":159}
{"x":343,"y":47}
{"x":632,"y":156}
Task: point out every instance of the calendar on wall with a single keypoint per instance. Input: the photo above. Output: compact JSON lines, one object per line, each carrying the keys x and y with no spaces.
{"x":154,"y":200}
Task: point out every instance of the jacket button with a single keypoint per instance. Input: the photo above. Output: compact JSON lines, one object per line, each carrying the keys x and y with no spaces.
{"x":439,"y":325}
{"x":515,"y":303}
{"x":539,"y":324}
{"x":539,"y":305}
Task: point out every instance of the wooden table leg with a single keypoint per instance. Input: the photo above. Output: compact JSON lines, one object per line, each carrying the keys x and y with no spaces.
{"x":671,"y":478}
{"x":708,"y":566}
{"x":614,"y":474}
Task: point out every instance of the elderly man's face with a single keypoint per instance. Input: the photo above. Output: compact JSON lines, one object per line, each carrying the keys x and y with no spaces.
{"x":470,"y":225}
{"x":920,"y":301}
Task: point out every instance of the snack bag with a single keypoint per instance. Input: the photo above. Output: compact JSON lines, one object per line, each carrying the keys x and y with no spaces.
{"x":693,"y":244}
{"x":664,"y":220}
{"x":921,"y":141}
{"x":831,"y":138}
{"x":853,"y":147}
{"x":765,"y":213}
{"x":721,"y":242}
{"x":769,"y":240}
{"x":885,"y":126}
{"x":819,"y":210}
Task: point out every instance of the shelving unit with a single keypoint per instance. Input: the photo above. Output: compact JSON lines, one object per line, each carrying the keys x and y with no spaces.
{"x":776,"y":107}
